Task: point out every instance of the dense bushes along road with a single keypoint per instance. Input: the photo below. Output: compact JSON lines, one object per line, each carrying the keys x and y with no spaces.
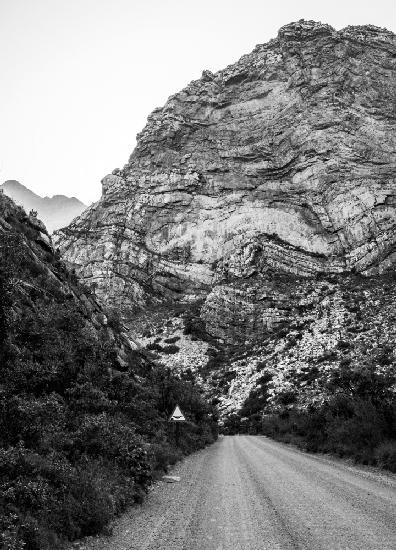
{"x":357,"y":416}
{"x":251,"y":493}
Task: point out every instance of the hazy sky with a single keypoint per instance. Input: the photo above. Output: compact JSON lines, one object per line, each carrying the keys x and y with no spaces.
{"x":79,"y":77}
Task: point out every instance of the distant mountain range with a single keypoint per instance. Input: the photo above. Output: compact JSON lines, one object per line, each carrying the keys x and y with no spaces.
{"x":56,"y":212}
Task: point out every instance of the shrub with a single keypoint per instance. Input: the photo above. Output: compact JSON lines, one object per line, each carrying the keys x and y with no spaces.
{"x":170,"y":349}
{"x":385,"y":455}
{"x":287,"y":397}
{"x":114,"y":320}
{"x":153,"y":346}
{"x":358,"y":428}
{"x":344,"y":425}
{"x":162,"y":455}
{"x":172,"y":340}
{"x":105,"y":436}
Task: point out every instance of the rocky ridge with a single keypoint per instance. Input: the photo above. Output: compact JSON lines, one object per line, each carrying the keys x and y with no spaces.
{"x":36,"y":252}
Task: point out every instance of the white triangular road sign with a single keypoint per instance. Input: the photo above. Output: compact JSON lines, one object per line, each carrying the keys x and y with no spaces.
{"x":177,"y":415}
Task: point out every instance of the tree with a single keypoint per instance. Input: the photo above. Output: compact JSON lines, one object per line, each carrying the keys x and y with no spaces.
{"x":8,"y":247}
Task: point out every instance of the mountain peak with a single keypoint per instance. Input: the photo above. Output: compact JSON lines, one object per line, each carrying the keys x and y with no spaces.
{"x":305,"y":26}
{"x":13,"y":184}
{"x":271,"y":163}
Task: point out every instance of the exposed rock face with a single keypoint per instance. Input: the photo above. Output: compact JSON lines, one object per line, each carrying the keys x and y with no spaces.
{"x":283,"y":162}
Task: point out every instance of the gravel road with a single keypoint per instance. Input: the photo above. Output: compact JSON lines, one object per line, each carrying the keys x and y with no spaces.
{"x":249,"y":492}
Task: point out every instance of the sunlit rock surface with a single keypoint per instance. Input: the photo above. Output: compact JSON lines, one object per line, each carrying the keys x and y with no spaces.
{"x":284,"y":162}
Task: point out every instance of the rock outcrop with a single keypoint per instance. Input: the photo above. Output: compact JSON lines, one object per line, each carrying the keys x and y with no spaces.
{"x":284,"y":161}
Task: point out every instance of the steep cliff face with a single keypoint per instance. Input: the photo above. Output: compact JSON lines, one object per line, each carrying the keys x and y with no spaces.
{"x":284,"y":161}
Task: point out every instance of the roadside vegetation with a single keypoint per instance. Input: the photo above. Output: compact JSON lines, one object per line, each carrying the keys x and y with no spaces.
{"x":82,"y":433}
{"x":329,"y":384}
{"x":358,"y":420}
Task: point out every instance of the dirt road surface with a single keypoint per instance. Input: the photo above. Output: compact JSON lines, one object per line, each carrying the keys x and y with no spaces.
{"x":251,"y":493}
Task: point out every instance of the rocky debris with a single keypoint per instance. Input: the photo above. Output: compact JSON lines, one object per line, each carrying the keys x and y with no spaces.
{"x":341,"y":323}
{"x":177,"y":351}
{"x":171,"y":479}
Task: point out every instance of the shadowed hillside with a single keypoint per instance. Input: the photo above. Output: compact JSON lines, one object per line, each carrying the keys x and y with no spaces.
{"x":83,"y":414}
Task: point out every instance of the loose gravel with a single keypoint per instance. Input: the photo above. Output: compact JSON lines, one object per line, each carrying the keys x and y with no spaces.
{"x":251,"y":493}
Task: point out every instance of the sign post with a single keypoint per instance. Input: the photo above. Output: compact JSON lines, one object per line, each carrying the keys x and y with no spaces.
{"x":178,"y":418}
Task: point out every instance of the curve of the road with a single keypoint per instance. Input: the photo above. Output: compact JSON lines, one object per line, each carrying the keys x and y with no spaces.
{"x":251,"y":493}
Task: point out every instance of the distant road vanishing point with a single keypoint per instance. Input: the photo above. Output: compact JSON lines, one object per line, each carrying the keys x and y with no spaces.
{"x":251,"y":493}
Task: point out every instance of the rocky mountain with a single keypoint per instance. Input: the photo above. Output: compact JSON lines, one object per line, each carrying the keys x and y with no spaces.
{"x":56,"y":212}
{"x":254,"y":203}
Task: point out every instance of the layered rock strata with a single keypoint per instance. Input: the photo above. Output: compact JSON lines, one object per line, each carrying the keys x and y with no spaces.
{"x":283,"y":162}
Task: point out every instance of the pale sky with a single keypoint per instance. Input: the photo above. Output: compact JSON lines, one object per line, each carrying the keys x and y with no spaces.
{"x":79,"y":77}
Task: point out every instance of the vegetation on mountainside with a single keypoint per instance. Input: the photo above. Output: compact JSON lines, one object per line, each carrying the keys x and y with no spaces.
{"x":358,"y":420}
{"x":329,"y":384}
{"x":81,"y":433}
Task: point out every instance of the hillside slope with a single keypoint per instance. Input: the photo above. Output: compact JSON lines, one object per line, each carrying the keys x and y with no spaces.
{"x":83,"y":415}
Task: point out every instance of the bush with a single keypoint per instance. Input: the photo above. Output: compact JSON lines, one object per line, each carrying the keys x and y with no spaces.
{"x":163,"y":455}
{"x":170,"y":349}
{"x":114,"y":320}
{"x":108,"y":437}
{"x":172,"y":340}
{"x":357,"y":430}
{"x":385,"y":455}
{"x":344,"y":426}
{"x":154,"y":346}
